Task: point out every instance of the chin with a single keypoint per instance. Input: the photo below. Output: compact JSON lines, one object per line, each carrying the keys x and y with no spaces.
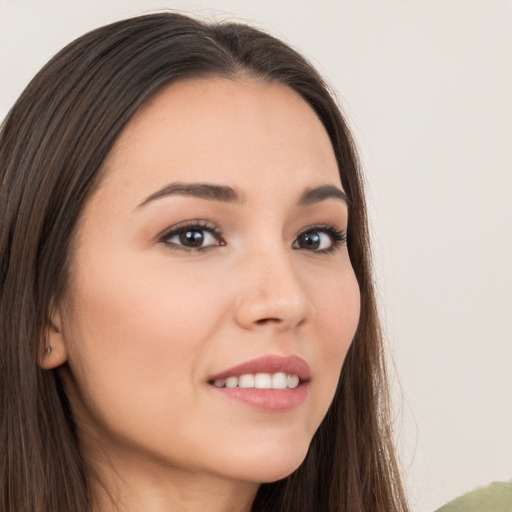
{"x":265,"y":467}
{"x":280,"y":472}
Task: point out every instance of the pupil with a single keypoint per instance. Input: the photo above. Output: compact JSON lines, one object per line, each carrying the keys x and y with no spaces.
{"x":311,"y":240}
{"x":192,"y":238}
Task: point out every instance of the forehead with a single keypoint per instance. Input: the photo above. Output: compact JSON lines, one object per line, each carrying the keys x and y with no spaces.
{"x":245,"y":133}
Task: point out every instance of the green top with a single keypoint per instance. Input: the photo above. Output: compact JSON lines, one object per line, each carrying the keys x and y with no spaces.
{"x":497,"y":497}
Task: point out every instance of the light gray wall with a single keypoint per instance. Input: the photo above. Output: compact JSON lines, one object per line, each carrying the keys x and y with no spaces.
{"x":427,"y":89}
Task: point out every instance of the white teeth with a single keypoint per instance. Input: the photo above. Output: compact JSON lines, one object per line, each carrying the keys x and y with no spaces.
{"x":263,"y":381}
{"x":279,"y":381}
{"x":246,"y":381}
{"x":260,"y":381}
{"x":292,"y":381}
{"x":232,"y":382}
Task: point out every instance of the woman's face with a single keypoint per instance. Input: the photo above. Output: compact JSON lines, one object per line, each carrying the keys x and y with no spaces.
{"x":213,"y":248}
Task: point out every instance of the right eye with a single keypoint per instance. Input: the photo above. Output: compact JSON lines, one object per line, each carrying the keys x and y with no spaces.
{"x":192,"y":237}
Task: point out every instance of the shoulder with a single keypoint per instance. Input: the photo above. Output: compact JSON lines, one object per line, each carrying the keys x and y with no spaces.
{"x":496,"y":497}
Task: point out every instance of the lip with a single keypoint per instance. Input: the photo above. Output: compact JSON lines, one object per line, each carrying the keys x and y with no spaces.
{"x":269,"y":400}
{"x":293,"y":365}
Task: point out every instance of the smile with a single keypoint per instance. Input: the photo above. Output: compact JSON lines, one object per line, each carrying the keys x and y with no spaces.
{"x":260,"y":381}
{"x":270,"y":383}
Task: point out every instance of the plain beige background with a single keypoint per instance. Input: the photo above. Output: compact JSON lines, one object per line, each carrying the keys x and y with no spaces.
{"x":426,"y":86}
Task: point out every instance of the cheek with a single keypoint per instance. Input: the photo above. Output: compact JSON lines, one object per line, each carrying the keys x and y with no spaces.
{"x":132,"y":332}
{"x":132,"y":303}
{"x":337,"y":305}
{"x":337,"y":313}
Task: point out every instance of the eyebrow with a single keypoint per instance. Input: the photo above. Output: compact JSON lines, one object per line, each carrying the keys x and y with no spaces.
{"x":227,"y":194}
{"x":207,"y":191}
{"x":318,"y":194}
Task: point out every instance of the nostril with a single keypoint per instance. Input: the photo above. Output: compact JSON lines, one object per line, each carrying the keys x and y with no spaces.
{"x":263,"y":321}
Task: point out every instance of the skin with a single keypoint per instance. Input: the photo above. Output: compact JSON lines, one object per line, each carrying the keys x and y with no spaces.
{"x":145,"y":323}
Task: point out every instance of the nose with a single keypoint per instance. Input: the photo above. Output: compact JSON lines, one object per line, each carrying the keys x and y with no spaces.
{"x":272,"y":294}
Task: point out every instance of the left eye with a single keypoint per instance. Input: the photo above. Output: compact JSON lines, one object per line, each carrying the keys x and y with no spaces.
{"x":320,"y":240}
{"x":192,"y":237}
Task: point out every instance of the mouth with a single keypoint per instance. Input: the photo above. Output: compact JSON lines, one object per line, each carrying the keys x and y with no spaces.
{"x":270,"y":383}
{"x":259,"y":381}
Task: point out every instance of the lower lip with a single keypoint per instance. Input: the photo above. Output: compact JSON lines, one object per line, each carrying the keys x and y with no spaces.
{"x":272,"y":400}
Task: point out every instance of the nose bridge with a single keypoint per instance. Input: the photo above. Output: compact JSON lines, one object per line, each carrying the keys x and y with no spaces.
{"x":271,"y":289}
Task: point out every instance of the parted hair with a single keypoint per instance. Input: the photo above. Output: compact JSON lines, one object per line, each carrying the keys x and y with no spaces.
{"x":53,"y":143}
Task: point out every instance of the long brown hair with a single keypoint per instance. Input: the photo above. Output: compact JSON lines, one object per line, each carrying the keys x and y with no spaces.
{"x":52,"y":147}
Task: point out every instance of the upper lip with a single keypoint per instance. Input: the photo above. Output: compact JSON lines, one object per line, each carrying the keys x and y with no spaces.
{"x":291,"y":365}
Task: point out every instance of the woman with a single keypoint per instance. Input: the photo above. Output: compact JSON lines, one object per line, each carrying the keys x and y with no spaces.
{"x":188,"y":319}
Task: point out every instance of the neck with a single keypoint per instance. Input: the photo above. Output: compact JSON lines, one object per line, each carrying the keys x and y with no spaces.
{"x":140,"y":490}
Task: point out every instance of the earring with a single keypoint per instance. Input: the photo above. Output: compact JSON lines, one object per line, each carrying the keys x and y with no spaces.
{"x":47,"y":351}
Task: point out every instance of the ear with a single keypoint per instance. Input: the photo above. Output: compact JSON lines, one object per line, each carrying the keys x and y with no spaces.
{"x":52,"y":351}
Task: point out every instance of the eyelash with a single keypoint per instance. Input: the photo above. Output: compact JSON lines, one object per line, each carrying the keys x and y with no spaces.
{"x":195,"y":225}
{"x":338,"y":237}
